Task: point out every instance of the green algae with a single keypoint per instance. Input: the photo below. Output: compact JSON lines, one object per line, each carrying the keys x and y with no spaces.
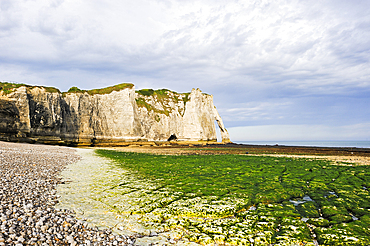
{"x":224,"y":199}
{"x":249,"y":200}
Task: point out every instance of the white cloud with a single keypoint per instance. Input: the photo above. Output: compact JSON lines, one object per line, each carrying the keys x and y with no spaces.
{"x":263,"y":39}
{"x":256,"y":111}
{"x":266,"y":62}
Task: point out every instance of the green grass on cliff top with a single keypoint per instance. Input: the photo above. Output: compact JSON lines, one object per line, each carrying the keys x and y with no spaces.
{"x":106,"y":90}
{"x":162,"y":94}
{"x":7,"y":87}
{"x":333,"y":199}
{"x":151,"y":92}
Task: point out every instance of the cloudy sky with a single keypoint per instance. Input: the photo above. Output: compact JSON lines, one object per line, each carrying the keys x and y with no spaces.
{"x":278,"y":69}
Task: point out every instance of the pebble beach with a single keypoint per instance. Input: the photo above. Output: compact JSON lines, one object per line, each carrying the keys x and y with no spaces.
{"x":28,"y":177}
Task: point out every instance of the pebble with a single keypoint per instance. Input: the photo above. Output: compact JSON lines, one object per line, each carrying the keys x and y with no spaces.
{"x":28,"y":177}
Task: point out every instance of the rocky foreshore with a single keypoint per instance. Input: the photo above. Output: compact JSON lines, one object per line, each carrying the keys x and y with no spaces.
{"x":28,"y":177}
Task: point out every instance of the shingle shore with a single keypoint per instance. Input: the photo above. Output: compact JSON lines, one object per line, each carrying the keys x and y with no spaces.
{"x":28,"y":176}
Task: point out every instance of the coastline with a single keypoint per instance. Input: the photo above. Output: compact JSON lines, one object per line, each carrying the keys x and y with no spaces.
{"x":238,"y":148}
{"x":313,"y":143}
{"x":30,"y":173}
{"x":28,"y":216}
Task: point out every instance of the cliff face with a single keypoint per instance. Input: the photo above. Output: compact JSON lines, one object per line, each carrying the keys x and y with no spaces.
{"x":36,"y":114}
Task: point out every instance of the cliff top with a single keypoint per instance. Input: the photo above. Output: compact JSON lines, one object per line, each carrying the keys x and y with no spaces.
{"x":105,"y":90}
{"x":7,"y":87}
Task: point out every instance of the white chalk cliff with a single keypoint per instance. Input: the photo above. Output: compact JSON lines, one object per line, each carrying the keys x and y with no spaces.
{"x":39,"y":114}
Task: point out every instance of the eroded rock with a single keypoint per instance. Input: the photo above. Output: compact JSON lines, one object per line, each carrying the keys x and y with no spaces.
{"x":98,"y":117}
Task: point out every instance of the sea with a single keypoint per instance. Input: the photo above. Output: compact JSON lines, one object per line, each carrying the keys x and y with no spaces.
{"x":354,"y":144}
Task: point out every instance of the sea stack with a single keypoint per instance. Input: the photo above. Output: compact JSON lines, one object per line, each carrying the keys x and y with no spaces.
{"x":108,"y":116}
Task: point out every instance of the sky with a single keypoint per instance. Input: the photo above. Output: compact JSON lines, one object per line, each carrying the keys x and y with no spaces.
{"x":278,"y":69}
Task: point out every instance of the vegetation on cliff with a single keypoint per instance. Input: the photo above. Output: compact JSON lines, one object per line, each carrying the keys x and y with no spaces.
{"x":162,"y":94}
{"x":163,"y":97}
{"x":75,"y":89}
{"x":158,"y":93}
{"x":142,"y":103}
{"x":7,"y":87}
{"x":101,"y":91}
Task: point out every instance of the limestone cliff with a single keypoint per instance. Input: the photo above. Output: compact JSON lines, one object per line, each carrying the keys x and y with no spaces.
{"x":111,"y":115}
